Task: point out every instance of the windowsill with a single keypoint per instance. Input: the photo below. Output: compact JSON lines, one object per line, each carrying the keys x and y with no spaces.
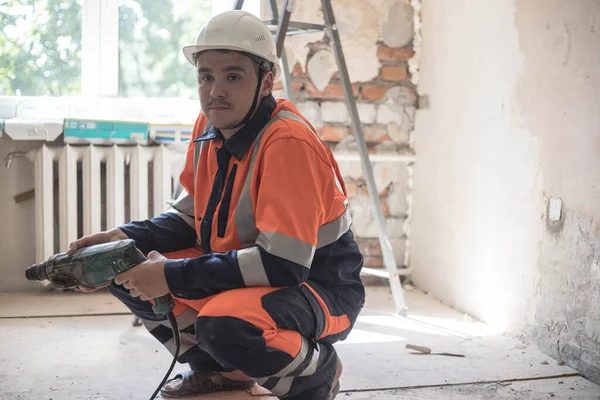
{"x":151,"y":110}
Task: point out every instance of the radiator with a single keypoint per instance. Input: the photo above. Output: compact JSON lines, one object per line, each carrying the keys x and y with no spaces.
{"x":80,"y":190}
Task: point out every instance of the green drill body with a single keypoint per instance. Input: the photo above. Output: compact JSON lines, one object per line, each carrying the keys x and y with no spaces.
{"x":94,"y":266}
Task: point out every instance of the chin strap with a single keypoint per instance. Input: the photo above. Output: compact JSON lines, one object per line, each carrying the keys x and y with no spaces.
{"x":252,"y":110}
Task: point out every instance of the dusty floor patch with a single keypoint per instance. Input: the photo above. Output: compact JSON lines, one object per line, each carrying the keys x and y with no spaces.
{"x":105,"y":357}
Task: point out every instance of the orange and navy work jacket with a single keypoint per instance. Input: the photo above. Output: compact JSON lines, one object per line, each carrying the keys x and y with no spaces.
{"x":268,"y":207}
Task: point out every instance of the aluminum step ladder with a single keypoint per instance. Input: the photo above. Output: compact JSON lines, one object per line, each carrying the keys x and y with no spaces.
{"x":282,"y":27}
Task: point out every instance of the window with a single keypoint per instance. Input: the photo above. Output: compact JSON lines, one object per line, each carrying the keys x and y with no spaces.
{"x":101,"y":48}
{"x":151,"y":34}
{"x":40,"y":47}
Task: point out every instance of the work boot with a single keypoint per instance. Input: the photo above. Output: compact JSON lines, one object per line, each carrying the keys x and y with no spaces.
{"x":194,"y":383}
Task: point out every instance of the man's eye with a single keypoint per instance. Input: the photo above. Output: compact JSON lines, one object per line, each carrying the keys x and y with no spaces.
{"x":205,"y":78}
{"x":234,"y":77}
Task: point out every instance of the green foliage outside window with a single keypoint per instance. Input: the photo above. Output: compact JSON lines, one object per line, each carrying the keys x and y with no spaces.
{"x":41,"y":41}
{"x":151,"y":34}
{"x":40,"y":47}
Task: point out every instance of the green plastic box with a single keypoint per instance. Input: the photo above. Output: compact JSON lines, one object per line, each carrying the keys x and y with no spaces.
{"x":105,"y":131}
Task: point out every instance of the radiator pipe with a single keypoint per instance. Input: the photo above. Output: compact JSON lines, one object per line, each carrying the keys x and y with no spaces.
{"x":10,"y":157}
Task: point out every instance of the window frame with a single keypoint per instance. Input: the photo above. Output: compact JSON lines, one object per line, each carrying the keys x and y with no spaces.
{"x":100,"y":48}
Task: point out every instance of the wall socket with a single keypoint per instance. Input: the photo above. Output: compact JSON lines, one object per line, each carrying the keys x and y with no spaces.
{"x":555,"y":214}
{"x":555,"y":209}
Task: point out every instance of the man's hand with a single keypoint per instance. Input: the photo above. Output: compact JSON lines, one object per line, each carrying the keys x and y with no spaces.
{"x":146,"y":280}
{"x":102,"y":237}
{"x":97,"y":238}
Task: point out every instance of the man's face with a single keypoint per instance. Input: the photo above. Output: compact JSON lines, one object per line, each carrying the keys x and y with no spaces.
{"x":227,"y":85}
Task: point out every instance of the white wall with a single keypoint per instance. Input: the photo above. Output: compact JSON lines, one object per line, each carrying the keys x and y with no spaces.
{"x":514,"y":119}
{"x":17,"y":220}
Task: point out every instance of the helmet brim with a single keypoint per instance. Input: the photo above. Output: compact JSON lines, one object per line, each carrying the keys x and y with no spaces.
{"x":189,"y":51}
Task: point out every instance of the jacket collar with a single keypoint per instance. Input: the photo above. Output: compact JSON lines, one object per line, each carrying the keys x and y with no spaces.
{"x":239,"y":144}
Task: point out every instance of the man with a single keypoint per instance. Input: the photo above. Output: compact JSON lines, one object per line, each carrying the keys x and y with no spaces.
{"x":258,"y":251}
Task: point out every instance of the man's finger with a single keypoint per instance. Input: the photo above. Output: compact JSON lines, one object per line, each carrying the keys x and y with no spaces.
{"x":87,"y":241}
{"x":84,"y":289}
{"x":153,"y":255}
{"x":78,"y":244}
{"x":124,"y":277}
{"x":74,"y":246}
{"x":104,"y":285}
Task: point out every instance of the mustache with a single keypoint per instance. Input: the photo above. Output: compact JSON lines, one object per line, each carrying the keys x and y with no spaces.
{"x":218,"y":104}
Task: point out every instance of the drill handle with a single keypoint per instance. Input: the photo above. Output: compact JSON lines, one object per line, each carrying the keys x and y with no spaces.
{"x":163,"y":305}
{"x":137,"y":257}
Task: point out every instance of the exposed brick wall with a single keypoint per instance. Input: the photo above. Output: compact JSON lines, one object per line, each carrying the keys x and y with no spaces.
{"x":386,"y":105}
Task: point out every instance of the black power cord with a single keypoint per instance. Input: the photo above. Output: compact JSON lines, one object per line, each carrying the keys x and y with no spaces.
{"x":177,"y":337}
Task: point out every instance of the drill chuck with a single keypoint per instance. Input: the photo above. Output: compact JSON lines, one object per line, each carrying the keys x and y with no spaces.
{"x":37,"y":272}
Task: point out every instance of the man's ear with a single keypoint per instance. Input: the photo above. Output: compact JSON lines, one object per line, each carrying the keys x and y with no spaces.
{"x":267,"y":84}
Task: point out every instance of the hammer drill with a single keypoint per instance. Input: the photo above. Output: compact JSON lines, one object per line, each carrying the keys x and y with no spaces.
{"x":93,"y":266}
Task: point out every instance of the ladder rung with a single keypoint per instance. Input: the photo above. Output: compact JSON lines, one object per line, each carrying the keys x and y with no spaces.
{"x":296,"y":28}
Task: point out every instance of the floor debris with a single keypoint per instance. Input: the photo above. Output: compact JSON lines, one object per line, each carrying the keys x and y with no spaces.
{"x":422,"y":350}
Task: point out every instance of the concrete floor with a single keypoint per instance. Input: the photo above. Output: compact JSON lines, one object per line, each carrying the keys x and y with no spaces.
{"x":83,"y":346}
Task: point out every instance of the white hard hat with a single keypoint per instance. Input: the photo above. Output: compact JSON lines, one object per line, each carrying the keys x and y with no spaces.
{"x":236,"y":30}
